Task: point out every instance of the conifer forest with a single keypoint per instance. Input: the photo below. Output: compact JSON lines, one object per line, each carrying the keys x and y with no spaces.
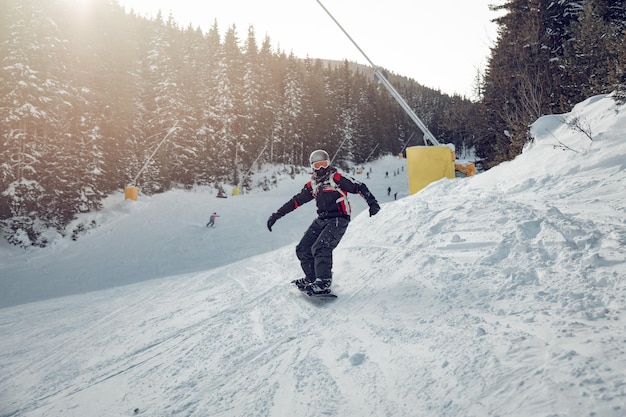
{"x":88,"y":103}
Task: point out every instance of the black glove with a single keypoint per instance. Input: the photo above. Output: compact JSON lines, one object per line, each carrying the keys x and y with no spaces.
{"x":272,"y":220}
{"x":374,"y":208}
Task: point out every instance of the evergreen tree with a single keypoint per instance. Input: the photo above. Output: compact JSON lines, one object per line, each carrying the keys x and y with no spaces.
{"x":228,"y":107}
{"x":319,"y":113}
{"x":207,"y":118}
{"x":268,"y":84}
{"x":161,"y":109}
{"x":250,"y":140}
{"x":515,"y":80}
{"x":33,"y":109}
{"x":289,"y":127}
{"x":190,"y":145}
{"x":592,"y":58}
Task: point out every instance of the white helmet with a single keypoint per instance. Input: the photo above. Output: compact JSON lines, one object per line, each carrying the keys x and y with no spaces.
{"x":318,"y":155}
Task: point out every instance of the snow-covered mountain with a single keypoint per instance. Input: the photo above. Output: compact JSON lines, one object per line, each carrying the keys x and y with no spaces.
{"x":497,"y":295}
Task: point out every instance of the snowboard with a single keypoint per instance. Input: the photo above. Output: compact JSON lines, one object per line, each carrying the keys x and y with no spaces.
{"x":325,"y":297}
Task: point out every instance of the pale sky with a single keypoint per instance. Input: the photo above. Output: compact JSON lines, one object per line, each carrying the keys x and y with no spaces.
{"x":440,"y":44}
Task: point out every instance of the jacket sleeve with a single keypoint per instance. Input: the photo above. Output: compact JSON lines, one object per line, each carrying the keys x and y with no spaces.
{"x":355,"y":187}
{"x":304,"y":196}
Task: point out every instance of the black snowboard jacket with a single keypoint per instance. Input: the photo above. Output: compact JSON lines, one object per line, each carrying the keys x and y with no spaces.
{"x":330,"y":194}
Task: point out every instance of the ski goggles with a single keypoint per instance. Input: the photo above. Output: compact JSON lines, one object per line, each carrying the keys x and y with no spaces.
{"x":320,"y":164}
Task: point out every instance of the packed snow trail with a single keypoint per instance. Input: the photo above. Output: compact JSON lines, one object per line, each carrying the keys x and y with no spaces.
{"x":166,"y":234}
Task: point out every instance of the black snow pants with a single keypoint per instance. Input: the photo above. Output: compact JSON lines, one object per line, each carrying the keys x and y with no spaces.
{"x":315,"y":250}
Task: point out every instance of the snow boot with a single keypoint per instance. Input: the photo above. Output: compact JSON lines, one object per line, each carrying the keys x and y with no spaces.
{"x":320,"y":286}
{"x":302,"y":283}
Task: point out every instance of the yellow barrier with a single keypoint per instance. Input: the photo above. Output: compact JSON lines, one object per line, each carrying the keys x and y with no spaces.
{"x":428,"y":164}
{"x":130,"y":193}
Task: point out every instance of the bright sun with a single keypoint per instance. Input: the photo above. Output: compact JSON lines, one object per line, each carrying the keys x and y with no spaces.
{"x":82,"y":7}
{"x":80,"y":3}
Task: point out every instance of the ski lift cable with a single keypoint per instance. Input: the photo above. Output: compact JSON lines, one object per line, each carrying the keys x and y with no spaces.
{"x":338,"y":149}
{"x":240,"y":184}
{"x":428,"y":136}
{"x":407,"y":142}
{"x":171,"y":130}
{"x":368,"y":156}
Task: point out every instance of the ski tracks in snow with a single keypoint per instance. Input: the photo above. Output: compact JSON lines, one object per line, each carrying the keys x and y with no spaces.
{"x":474,"y":277}
{"x":532,"y":247}
{"x":435,"y":317}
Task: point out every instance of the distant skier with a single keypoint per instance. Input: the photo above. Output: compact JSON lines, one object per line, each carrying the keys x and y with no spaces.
{"x":211,"y":222}
{"x":329,"y":188}
{"x":388,"y":190}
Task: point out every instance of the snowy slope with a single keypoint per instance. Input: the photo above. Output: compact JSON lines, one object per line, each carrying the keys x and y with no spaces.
{"x":163,"y":235}
{"x":497,"y":295}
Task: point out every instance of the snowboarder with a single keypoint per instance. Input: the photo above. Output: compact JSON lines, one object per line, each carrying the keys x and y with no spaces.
{"x":329,"y":188}
{"x":211,"y":222}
